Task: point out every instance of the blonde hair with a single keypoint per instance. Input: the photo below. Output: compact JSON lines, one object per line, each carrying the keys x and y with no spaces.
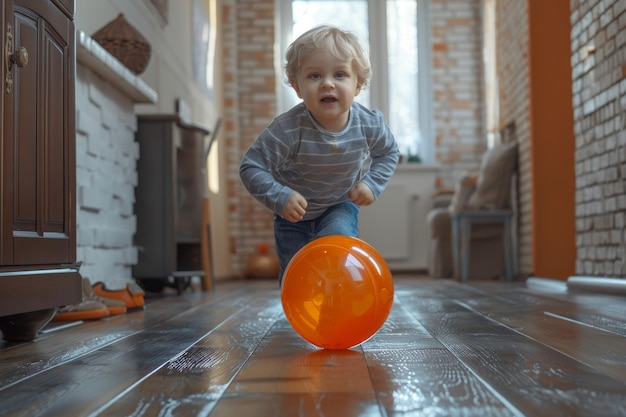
{"x":341,"y":44}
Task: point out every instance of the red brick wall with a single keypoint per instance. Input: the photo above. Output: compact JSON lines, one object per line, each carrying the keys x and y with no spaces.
{"x":513,"y":85}
{"x":249,"y":105}
{"x":457,"y":83}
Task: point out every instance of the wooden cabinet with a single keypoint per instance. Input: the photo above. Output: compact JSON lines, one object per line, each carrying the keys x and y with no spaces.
{"x":38,"y":268}
{"x":168,"y":202}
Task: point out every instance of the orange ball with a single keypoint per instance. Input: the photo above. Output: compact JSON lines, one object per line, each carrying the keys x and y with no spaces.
{"x":337,"y":292}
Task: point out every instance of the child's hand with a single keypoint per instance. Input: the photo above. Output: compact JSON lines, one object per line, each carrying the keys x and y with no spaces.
{"x":361,"y":195}
{"x":295,"y":208}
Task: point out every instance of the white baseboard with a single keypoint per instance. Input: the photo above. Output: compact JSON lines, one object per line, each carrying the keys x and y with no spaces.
{"x":546,"y":284}
{"x":580,"y":283}
{"x":598,"y":284}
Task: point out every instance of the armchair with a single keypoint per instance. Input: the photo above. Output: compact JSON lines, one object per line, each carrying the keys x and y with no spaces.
{"x":472,"y":236}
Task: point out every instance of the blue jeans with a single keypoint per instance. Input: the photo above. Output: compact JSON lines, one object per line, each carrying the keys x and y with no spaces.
{"x":342,"y":219}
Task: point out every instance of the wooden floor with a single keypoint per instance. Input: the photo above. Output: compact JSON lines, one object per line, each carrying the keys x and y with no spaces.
{"x":447,"y":349}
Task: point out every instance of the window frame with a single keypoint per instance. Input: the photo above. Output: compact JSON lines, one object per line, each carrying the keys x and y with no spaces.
{"x":378,"y":90}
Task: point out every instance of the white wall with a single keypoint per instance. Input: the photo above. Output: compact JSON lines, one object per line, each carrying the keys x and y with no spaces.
{"x":169,"y":71}
{"x":170,"y":74}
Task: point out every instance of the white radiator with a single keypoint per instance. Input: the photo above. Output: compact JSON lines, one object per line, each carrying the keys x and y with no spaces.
{"x":396,"y":223}
{"x":384,"y":224}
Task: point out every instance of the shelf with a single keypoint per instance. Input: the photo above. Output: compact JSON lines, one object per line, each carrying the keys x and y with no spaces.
{"x":100,"y":61}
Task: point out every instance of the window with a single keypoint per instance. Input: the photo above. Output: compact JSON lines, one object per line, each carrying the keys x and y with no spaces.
{"x":396,"y":35}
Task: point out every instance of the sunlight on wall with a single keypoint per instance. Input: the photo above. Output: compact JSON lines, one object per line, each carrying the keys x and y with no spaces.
{"x":213,"y":170}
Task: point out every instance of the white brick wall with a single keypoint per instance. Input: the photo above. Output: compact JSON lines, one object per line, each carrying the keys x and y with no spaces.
{"x":599,"y":96}
{"x":106,"y":157}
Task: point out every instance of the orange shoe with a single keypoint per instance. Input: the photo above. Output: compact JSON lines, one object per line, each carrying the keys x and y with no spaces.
{"x":115,"y":307}
{"x":90,"y":308}
{"x":132,"y":295}
{"x":86,"y":310}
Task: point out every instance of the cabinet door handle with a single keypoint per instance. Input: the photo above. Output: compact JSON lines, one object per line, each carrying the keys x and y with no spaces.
{"x":12,"y":57}
{"x":20,"y":57}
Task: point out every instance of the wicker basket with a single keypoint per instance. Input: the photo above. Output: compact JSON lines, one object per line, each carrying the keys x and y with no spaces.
{"x":125,"y":43}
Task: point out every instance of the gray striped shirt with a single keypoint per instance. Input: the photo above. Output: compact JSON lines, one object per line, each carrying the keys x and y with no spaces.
{"x":295,"y":153}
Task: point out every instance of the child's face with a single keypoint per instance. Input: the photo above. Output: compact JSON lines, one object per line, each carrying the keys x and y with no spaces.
{"x":327,"y":86}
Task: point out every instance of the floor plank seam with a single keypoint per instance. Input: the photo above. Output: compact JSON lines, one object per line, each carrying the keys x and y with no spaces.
{"x":580,"y":323}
